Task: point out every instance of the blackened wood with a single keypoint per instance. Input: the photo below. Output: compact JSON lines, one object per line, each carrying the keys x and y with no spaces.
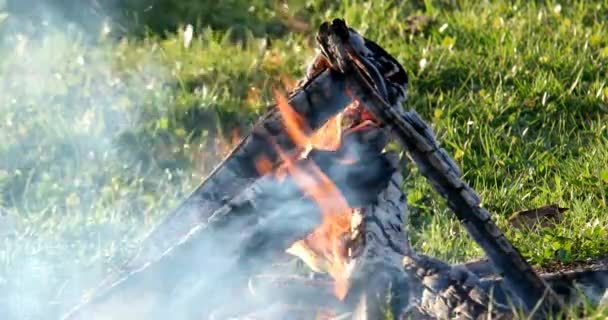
{"x":589,"y":283}
{"x":316,"y":100}
{"x":439,"y":290}
{"x":213,"y":262}
{"x":444,"y":175}
{"x":442,"y":291}
{"x":378,"y":283}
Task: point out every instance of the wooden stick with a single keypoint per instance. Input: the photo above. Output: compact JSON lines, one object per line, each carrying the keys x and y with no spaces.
{"x":444,"y":175}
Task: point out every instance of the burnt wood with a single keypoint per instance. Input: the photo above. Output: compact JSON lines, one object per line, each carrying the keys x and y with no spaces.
{"x":315,"y":100}
{"x":444,"y":175}
{"x":236,"y":222}
{"x":245,"y":235}
{"x":378,"y":284}
{"x":439,"y":290}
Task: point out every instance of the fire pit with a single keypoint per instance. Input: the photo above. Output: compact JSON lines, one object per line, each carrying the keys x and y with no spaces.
{"x":312,"y":180}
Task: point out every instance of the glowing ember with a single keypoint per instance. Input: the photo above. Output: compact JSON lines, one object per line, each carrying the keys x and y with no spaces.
{"x":325,"y":248}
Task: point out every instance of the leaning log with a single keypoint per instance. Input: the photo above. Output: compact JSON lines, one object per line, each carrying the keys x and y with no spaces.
{"x":578,"y":286}
{"x":214,"y":260}
{"x":444,"y":175}
{"x":315,"y":100}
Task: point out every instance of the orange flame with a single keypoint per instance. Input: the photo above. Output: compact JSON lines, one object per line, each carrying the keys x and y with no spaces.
{"x":329,"y":137}
{"x":296,"y":127}
{"x":328,"y":239}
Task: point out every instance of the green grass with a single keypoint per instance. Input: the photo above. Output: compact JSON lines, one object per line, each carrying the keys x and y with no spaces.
{"x":101,"y":137}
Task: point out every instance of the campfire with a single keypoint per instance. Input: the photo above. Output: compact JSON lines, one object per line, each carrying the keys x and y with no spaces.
{"x":326,"y":248}
{"x":312,"y":180}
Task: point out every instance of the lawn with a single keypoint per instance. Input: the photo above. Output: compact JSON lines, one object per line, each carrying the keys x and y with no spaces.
{"x":104,"y":131}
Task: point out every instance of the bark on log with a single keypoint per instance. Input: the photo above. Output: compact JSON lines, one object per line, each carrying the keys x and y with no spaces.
{"x":378,"y":283}
{"x":444,"y":175}
{"x":450,"y":292}
{"x":589,"y":283}
{"x":440,"y":290}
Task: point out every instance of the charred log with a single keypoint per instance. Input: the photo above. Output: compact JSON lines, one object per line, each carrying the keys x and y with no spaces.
{"x":444,"y":175}
{"x":365,"y":82}
{"x":573,"y":286}
{"x":241,"y":238}
{"x":439,"y":290}
{"x":448,"y":292}
{"x":378,"y":284}
{"x":315,"y":100}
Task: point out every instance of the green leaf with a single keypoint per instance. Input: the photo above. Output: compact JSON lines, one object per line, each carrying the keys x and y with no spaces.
{"x":604,"y":176}
{"x":180,"y":132}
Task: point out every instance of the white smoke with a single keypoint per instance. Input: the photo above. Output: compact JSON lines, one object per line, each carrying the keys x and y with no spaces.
{"x":71,"y":206}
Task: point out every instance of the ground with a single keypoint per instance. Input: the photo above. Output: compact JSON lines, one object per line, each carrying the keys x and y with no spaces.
{"x":104,"y":132}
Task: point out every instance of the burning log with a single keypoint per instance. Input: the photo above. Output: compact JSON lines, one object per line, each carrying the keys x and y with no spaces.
{"x":315,"y":99}
{"x":372,"y":268}
{"x":386,"y":276}
{"x":446,"y":292}
{"x":440,"y":291}
{"x":379,"y":242}
{"x":306,"y":182}
{"x":248,"y":232}
{"x":436,"y":165}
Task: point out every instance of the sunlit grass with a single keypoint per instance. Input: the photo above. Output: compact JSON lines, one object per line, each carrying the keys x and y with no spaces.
{"x":100,"y":139}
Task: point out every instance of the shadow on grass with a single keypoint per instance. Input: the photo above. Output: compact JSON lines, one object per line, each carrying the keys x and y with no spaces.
{"x":139,"y":17}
